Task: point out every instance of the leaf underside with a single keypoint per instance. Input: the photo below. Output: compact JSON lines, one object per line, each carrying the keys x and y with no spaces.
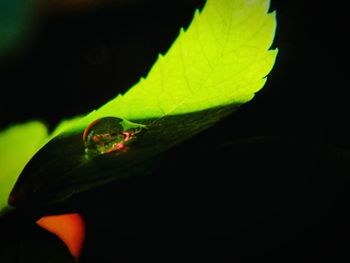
{"x":55,"y":176}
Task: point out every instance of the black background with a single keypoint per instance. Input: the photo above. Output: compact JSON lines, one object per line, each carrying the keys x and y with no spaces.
{"x":268,"y":183}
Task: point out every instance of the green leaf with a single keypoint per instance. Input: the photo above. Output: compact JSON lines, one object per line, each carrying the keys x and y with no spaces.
{"x":223,"y":58}
{"x":211,"y":69}
{"x":17,"y":145}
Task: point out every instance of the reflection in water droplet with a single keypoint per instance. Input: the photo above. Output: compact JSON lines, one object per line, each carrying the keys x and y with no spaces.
{"x":109,"y":134}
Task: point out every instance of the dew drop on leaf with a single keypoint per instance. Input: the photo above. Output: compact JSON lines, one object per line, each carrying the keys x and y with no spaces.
{"x":107,"y":135}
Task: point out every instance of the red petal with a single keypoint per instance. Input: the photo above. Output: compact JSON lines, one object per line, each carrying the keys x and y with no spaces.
{"x":70,"y":228}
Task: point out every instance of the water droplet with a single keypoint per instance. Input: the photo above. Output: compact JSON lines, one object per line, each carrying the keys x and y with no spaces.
{"x":109,"y":134}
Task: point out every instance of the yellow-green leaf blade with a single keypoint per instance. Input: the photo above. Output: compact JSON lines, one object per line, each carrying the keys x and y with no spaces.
{"x":18,"y":144}
{"x":223,"y":58}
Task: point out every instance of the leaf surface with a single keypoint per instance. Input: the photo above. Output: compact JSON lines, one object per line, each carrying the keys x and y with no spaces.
{"x":223,"y":58}
{"x":212,"y":68}
{"x":17,"y":145}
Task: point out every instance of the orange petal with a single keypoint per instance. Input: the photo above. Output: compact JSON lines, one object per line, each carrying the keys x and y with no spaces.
{"x":70,"y":228}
